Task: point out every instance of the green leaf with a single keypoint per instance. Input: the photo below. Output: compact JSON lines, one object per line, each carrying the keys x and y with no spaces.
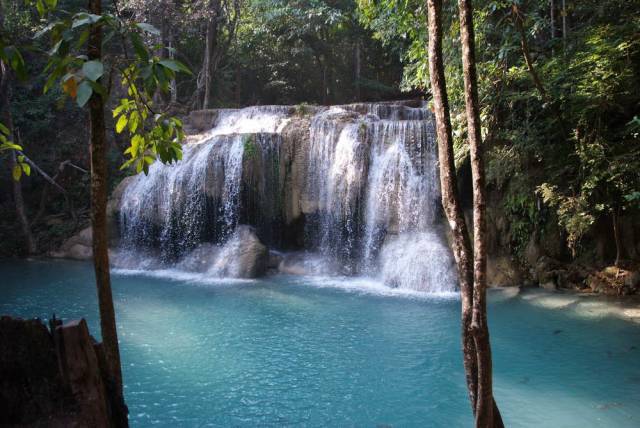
{"x":98,"y":88}
{"x":174,"y":65}
{"x":84,"y":93}
{"x":16,"y":172}
{"x":93,"y":70}
{"x":139,"y":47}
{"x":84,"y":19}
{"x":41,"y":11}
{"x":26,"y":168}
{"x":4,"y":129}
{"x":45,"y":30}
{"x":134,"y":121}
{"x":148,"y":28}
{"x":121,"y":124}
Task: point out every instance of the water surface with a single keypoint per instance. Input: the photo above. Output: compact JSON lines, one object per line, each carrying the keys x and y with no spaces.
{"x":289,"y":351}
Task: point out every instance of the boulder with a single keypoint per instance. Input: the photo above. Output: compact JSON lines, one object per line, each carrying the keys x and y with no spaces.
{"x":242,"y":256}
{"x":304,"y":264}
{"x":78,"y":247}
{"x":502,"y":271}
{"x":549,"y":285}
{"x":274,"y":260}
{"x":614,"y":281}
{"x":80,"y":252}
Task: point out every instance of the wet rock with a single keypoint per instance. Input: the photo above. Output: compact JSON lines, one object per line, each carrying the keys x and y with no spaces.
{"x":304,"y":264}
{"x":243,"y":256}
{"x":549,"y":286}
{"x":614,"y":281}
{"x":275,"y":258}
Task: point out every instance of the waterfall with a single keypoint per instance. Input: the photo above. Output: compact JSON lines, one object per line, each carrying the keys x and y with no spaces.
{"x":355,"y":185}
{"x":337,"y":161}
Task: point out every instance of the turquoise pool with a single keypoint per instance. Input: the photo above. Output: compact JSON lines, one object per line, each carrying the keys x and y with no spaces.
{"x":299,"y":351}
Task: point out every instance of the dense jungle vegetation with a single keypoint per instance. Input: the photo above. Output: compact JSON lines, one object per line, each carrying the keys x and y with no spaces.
{"x":559,"y":86}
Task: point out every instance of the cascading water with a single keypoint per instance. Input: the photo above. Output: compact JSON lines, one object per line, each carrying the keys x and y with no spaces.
{"x":176,"y":207}
{"x":358,"y":182}
{"x":337,"y":163}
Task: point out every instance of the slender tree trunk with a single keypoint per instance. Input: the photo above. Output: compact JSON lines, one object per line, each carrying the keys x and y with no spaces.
{"x":173,"y":85}
{"x":99,"y":184}
{"x":325,"y":83}
{"x":206,"y":65}
{"x":460,"y":245}
{"x":20,"y":209}
{"x":484,"y":409}
{"x":615,"y":217}
{"x":552,"y":11}
{"x":210,"y":62}
{"x":518,"y":20}
{"x":564,"y":26}
{"x":16,"y":186}
{"x":358,"y":68}
{"x":238,"y":86}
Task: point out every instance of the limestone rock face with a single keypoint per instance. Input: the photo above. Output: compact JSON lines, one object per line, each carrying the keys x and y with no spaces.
{"x":202,"y":120}
{"x":502,"y":271}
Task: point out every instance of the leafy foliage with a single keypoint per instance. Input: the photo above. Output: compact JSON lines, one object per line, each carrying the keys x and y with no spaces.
{"x":153,"y":135}
{"x":571,"y":140}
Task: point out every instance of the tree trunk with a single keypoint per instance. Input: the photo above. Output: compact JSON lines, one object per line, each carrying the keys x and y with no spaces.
{"x":519,"y":23}
{"x":325,"y":83}
{"x":99,"y":185}
{"x":238,"y":86}
{"x":358,"y":68}
{"x":615,"y":217}
{"x":564,"y":25}
{"x":460,"y":242}
{"x":16,"y":186}
{"x":20,"y":209}
{"x":211,"y":54}
{"x":173,"y":85}
{"x":552,"y":10}
{"x":484,"y":408}
{"x":206,"y":64}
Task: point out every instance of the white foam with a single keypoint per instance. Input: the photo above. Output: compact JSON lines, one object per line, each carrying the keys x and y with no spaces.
{"x":183,"y":276}
{"x":371,"y":286}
